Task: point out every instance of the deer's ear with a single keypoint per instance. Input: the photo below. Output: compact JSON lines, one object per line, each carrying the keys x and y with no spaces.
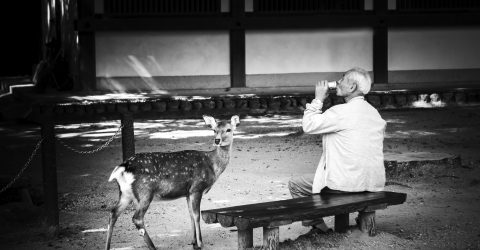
{"x":210,"y":121}
{"x":235,"y":120}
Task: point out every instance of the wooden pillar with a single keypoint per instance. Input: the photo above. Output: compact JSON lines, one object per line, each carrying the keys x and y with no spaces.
{"x":237,"y":45}
{"x":128,"y":136}
{"x":271,"y":238}
{"x":86,"y":47}
{"x":245,"y":238}
{"x":49,"y":170}
{"x":341,"y":223}
{"x":380,"y":43}
{"x":44,"y":27}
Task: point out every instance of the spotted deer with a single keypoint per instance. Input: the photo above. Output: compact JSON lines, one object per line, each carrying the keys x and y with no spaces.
{"x":167,"y":176}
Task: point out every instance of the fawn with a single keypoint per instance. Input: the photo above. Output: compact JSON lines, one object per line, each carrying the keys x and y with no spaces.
{"x":168,"y":176}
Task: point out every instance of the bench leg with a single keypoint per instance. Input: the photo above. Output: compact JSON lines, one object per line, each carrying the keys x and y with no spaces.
{"x":245,"y":239}
{"x":366,"y":222}
{"x":271,"y":238}
{"x":341,"y":223}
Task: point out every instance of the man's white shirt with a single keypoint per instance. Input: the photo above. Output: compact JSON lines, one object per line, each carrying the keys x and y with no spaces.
{"x":352,"y":140}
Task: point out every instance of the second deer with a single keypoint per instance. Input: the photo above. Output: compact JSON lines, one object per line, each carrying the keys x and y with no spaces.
{"x":168,"y":176}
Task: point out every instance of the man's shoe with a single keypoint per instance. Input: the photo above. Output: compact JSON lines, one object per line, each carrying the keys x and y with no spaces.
{"x":307,"y":223}
{"x":320,"y":230}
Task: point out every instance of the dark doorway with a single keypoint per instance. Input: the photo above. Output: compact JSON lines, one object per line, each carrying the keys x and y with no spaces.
{"x":20,"y":26}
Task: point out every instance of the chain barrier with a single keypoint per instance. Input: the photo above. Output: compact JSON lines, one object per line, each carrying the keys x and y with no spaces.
{"x":27,"y":164}
{"x":94,"y":150}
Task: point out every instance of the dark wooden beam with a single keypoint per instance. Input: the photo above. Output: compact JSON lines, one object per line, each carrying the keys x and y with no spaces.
{"x":237,"y":58}
{"x":222,"y":22}
{"x":86,"y":45}
{"x":86,"y":61}
{"x":255,"y":22}
{"x":237,"y":45}
{"x":380,"y":43}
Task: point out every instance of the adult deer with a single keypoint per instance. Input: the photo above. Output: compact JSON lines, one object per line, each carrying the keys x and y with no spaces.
{"x":168,"y":176}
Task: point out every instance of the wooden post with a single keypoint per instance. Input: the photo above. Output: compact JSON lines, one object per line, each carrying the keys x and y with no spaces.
{"x":366,"y":222}
{"x":86,"y":45}
{"x":128,"y":136}
{"x":49,"y":166}
{"x":271,"y":238}
{"x":237,"y":45}
{"x":380,"y":43}
{"x":341,"y":223}
{"x":245,"y":238}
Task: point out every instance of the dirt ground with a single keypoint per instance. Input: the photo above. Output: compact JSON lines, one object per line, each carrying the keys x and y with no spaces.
{"x":442,"y":210}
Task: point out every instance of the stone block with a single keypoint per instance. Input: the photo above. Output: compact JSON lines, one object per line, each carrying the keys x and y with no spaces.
{"x":447,"y":97}
{"x":387,"y":101}
{"x":145,"y":106}
{"x":229,"y":103}
{"x":185,"y":105}
{"x":197,"y":105}
{"x":274,"y":104}
{"x":472,"y":96}
{"x":460,"y":98}
{"x":411,"y":98}
{"x":401,"y":100}
{"x":219,"y":103}
{"x":302,"y":101}
{"x":173,"y":105}
{"x":159,"y":106}
{"x":208,"y":104}
{"x":374,"y":100}
{"x":254,"y":103}
{"x":100,"y":108}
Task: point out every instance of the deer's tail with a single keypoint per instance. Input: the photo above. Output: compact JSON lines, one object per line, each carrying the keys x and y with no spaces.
{"x":124,"y":178}
{"x":117,"y":173}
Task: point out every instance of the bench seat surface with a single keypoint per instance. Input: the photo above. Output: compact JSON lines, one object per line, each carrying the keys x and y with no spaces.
{"x":288,"y":211}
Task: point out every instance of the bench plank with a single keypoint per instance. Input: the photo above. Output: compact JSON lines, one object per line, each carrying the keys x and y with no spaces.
{"x":263,"y":214}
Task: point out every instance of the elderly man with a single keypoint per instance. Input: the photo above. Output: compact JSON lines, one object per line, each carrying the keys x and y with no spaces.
{"x":352,"y":142}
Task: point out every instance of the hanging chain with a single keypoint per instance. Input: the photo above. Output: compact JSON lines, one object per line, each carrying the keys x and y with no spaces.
{"x":24,"y":167}
{"x":27,"y":164}
{"x":94,"y":150}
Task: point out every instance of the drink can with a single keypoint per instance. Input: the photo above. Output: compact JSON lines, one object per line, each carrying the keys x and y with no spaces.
{"x":332,"y":85}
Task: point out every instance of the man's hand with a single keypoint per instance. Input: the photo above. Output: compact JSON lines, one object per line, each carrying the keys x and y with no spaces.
{"x":321,"y":90}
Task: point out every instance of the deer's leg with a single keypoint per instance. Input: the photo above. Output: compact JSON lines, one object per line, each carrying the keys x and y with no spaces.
{"x":190,"y":211}
{"x":194,"y":207}
{"x":123,"y":202}
{"x":140,"y":211}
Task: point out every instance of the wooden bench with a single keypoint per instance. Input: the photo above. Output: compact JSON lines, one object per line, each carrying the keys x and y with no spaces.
{"x":271,"y":215}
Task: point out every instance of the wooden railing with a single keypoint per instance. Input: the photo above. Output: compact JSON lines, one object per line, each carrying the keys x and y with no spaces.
{"x":288,"y":6}
{"x":160,"y":7}
{"x":437,"y":5}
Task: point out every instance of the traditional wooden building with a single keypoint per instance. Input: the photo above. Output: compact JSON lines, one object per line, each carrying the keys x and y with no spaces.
{"x":252,"y":46}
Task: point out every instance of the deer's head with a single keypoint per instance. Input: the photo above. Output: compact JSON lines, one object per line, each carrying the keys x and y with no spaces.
{"x":223,"y":129}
